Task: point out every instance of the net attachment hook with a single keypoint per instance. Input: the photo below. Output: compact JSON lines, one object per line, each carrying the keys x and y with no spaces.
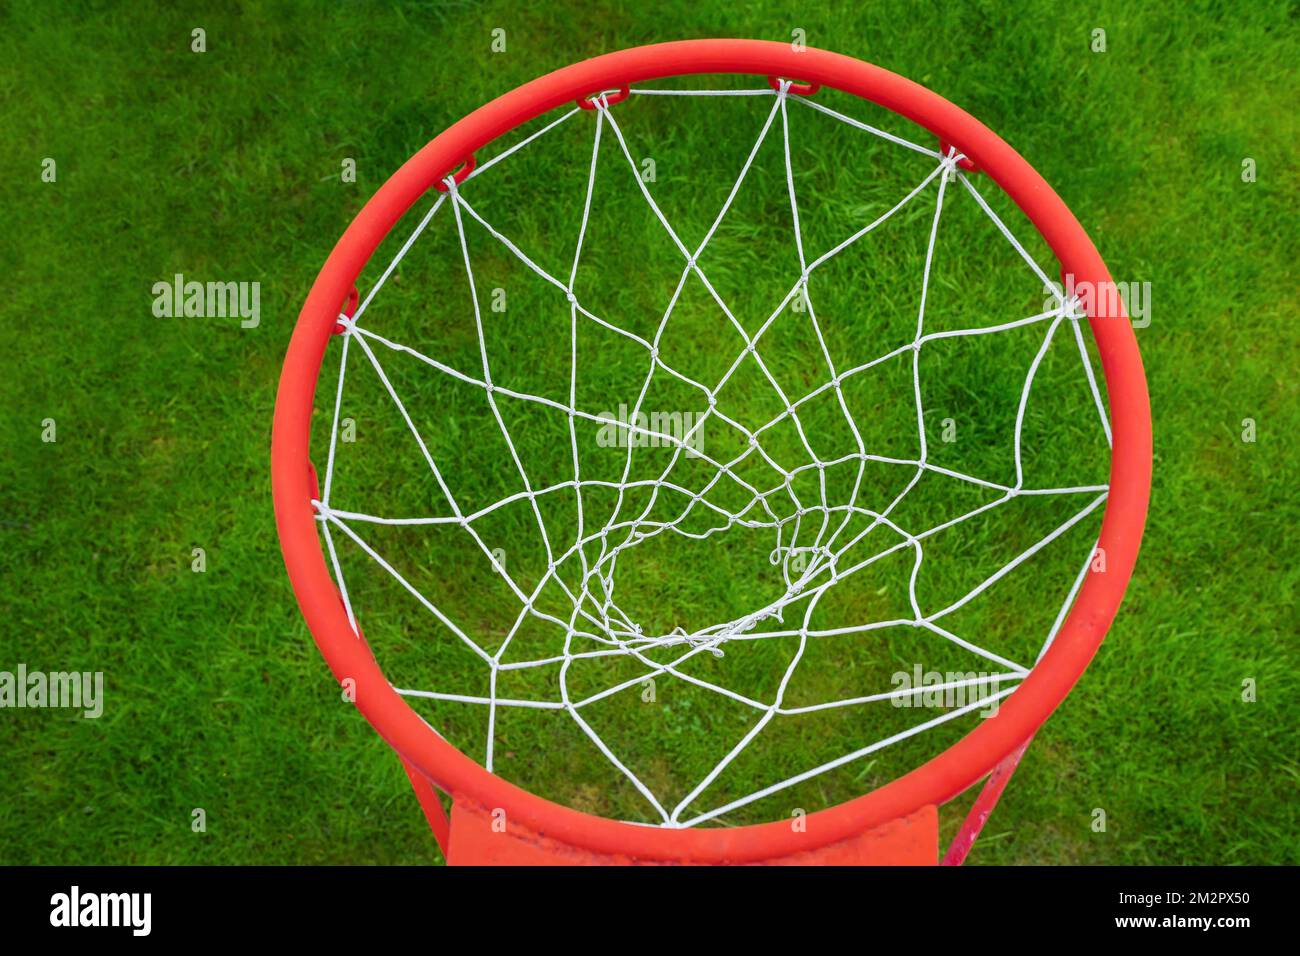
{"x":348,"y":309}
{"x":590,"y":102}
{"x":797,"y":88}
{"x":459,"y":176}
{"x":315,"y":483}
{"x":964,"y":162}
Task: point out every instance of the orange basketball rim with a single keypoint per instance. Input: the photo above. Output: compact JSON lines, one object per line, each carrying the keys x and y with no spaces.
{"x":896,"y":823}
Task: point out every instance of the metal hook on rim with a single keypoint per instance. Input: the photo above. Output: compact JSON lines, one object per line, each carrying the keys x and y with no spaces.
{"x":963,"y":161}
{"x":799,"y":89}
{"x":348,"y":310}
{"x":590,"y":102}
{"x":459,"y":176}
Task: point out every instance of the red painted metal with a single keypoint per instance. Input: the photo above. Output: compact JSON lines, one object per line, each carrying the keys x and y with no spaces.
{"x":482,"y":836}
{"x":984,"y":804}
{"x":430,"y":804}
{"x":935,"y":782}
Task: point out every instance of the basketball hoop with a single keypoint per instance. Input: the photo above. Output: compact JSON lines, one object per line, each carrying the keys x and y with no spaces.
{"x":493,"y":820}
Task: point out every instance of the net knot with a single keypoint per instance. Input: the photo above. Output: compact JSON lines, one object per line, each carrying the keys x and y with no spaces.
{"x":952,"y":162}
{"x":698,"y":640}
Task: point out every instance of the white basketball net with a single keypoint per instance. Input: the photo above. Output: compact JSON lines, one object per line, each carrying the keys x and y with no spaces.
{"x":812,"y":539}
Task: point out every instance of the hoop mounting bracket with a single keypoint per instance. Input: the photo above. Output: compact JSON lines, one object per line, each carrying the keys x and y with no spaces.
{"x":482,"y":836}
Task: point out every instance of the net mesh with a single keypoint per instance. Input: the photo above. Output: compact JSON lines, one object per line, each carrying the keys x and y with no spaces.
{"x":745,"y":455}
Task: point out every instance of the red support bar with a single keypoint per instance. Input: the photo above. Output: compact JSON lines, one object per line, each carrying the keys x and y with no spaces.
{"x":431,"y":805}
{"x":984,"y":804}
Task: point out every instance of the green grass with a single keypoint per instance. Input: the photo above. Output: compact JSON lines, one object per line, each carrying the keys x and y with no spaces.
{"x":225,"y":166}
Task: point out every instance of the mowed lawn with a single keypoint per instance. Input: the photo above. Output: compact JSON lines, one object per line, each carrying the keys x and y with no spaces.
{"x":226,"y":165}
